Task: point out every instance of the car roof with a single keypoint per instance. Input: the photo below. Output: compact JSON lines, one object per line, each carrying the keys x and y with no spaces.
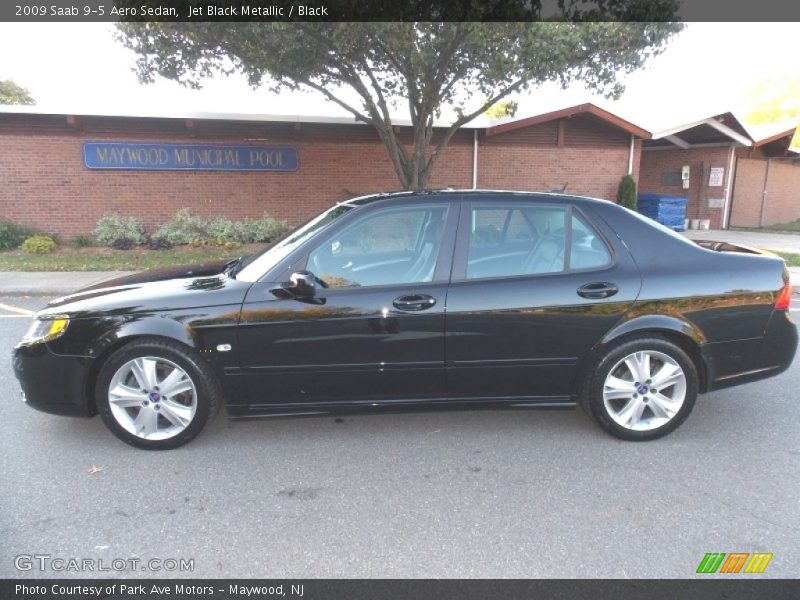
{"x":467,"y":194}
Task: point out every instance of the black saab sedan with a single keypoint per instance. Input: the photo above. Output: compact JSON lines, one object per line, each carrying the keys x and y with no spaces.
{"x":421,"y":301}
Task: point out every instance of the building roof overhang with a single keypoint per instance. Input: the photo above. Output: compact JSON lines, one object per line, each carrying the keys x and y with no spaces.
{"x":566,"y":113}
{"x":724,"y":129}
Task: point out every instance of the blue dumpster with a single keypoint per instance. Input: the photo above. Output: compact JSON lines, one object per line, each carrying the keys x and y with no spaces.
{"x":667,"y":210}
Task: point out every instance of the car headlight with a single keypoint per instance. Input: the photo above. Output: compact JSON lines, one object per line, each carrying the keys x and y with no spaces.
{"x":46,"y":329}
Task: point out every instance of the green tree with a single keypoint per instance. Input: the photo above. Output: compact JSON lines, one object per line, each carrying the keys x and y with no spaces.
{"x":427,"y":66}
{"x":626,"y":192}
{"x":11,"y":93}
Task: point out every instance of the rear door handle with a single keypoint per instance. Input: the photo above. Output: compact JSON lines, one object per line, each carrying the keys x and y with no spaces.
{"x":597,"y":290}
{"x":414,"y":302}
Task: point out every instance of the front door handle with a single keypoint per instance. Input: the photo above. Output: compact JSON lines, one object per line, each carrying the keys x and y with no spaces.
{"x":597,"y":290}
{"x":414,"y":302}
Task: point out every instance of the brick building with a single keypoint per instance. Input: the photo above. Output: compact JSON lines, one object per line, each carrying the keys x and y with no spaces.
{"x":733,"y":181}
{"x":53,"y":174}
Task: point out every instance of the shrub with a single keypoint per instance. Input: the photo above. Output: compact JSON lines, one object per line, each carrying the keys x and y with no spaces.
{"x":81,"y":241}
{"x":39,"y":244}
{"x":267,"y":228}
{"x":123,"y":243}
{"x":159,"y":244}
{"x":183,"y":228}
{"x":113,"y":227}
{"x":626,"y":193}
{"x":224,"y":230}
{"x":12,"y":235}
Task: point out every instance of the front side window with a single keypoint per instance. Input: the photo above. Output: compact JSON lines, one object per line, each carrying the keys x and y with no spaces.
{"x":390,"y":246}
{"x":506,"y":241}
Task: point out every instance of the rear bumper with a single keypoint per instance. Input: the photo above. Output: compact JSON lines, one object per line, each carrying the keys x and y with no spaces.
{"x":742,"y":361}
{"x":52,"y":383}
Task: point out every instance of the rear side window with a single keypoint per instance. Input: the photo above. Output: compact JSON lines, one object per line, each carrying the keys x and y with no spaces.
{"x":519,"y":240}
{"x":516,"y":240}
{"x":587,"y":250}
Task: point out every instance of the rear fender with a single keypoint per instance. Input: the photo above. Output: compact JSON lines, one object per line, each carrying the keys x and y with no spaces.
{"x":651,"y":323}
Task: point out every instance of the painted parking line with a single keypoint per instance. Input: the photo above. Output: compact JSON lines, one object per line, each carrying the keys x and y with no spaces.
{"x":15,"y":309}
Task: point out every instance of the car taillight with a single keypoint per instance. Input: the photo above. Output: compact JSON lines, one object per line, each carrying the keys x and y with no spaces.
{"x":784,"y":297}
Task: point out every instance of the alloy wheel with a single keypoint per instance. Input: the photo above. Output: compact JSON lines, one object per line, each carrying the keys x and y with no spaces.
{"x":644,"y":390}
{"x":152,"y":398}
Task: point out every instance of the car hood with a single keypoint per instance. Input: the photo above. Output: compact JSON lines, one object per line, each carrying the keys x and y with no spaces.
{"x":157,"y":290}
{"x":205,"y":269}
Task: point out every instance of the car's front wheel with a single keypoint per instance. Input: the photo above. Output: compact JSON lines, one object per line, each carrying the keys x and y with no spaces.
{"x":156,"y":394}
{"x":641,"y":389}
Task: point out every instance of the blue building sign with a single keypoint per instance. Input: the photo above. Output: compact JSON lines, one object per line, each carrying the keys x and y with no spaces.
{"x":188,"y":157}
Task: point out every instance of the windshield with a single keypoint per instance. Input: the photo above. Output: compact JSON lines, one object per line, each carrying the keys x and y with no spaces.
{"x":255,"y":265}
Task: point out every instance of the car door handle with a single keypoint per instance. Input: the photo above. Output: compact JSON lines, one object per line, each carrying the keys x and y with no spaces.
{"x":414,"y":302}
{"x":597,"y":290}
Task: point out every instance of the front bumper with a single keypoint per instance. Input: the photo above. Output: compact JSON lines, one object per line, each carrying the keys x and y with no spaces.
{"x":53,"y":383}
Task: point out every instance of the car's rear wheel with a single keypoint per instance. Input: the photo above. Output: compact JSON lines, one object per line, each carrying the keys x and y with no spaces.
{"x":156,"y":394}
{"x":642,"y":389}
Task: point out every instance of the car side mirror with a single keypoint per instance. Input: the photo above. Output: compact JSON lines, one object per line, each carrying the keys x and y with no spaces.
{"x":301,"y":285}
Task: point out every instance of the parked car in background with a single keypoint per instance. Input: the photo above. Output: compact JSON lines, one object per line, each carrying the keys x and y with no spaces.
{"x":438,"y":300}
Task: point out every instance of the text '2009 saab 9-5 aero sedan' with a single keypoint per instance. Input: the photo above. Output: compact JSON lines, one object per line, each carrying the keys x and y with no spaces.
{"x":437,"y":300}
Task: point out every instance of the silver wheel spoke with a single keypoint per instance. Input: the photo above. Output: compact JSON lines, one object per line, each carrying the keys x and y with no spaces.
{"x":144,"y":370}
{"x":177,"y":414}
{"x":175,"y":383}
{"x":126,"y":396}
{"x":631,"y":413}
{"x":616,"y":388}
{"x":146,"y":422}
{"x":667,"y":375}
{"x":661,"y":404}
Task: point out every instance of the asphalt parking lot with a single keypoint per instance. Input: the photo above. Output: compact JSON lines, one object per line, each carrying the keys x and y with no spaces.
{"x":461,"y":494}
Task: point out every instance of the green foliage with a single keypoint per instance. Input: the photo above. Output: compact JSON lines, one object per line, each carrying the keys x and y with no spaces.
{"x":11,"y":93}
{"x":626,"y":193}
{"x":224,"y":230}
{"x":12,"y":235}
{"x":263,"y":229}
{"x":113,"y":227}
{"x":81,"y":241}
{"x":183,"y":228}
{"x":425,"y":65}
{"x":39,"y":244}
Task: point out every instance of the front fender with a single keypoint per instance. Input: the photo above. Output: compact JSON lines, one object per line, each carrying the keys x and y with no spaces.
{"x":91,"y":337}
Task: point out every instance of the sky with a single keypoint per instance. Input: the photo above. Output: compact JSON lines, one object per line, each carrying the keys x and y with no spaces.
{"x":707,"y":69}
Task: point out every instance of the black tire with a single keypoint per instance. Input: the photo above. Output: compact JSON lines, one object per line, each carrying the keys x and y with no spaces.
{"x":591,"y":398}
{"x":208,"y":395}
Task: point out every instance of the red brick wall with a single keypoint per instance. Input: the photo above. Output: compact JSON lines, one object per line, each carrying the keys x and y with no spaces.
{"x":43,"y":181}
{"x":591,"y":161}
{"x":655,"y":163}
{"x":592,"y":172}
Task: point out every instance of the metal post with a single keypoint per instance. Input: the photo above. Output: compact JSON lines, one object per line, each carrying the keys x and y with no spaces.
{"x":474,"y":159}
{"x":764,"y":195}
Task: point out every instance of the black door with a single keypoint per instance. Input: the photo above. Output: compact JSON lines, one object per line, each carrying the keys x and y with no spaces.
{"x":534,"y":288}
{"x":376,"y":333}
